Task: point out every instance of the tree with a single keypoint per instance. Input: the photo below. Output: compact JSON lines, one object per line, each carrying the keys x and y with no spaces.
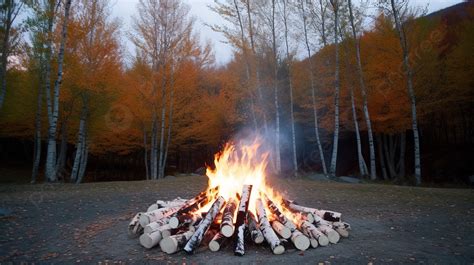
{"x":332,"y":170}
{"x":53,"y":103}
{"x":9,"y":10}
{"x":396,"y":7}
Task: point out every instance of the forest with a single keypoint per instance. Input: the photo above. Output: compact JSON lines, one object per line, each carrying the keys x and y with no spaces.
{"x":380,"y":90}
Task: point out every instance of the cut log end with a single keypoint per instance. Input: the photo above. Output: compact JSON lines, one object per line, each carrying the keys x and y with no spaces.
{"x":282,"y":230}
{"x":150,"y":240}
{"x":278,"y":250}
{"x":333,"y":236}
{"x":314,"y":242}
{"x":342,"y":232}
{"x":227,"y":230}
{"x":301,"y":242}
{"x":323,"y":241}
{"x":174,"y":222}
{"x":214,"y":246}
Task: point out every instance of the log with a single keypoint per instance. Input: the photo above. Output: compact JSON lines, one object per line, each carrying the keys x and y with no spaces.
{"x":217,"y":242}
{"x":300,"y":241}
{"x":325,"y":214}
{"x":152,"y":207}
{"x":268,"y":233}
{"x":176,"y":242}
{"x":332,"y":235}
{"x":280,"y":229}
{"x":227,"y":224}
{"x":196,"y":238}
{"x":155,"y":226}
{"x":240,"y":223}
{"x":310,"y":230}
{"x":197,"y":202}
{"x":157,"y":215}
{"x":182,"y":220}
{"x":151,"y":240}
{"x":342,"y":228}
{"x":134,"y":227}
{"x":279,"y":215}
{"x":254,"y":229}
{"x":167,"y":204}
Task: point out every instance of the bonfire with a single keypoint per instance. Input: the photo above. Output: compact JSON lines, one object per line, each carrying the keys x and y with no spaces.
{"x":237,"y":209}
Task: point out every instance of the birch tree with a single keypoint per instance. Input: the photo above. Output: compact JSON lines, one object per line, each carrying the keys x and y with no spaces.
{"x":373,"y":173}
{"x":396,"y":7}
{"x":53,"y":102}
{"x":286,"y":15}
{"x":9,"y":10}
{"x":332,"y":170}
{"x":273,"y":28}
{"x":304,"y":18}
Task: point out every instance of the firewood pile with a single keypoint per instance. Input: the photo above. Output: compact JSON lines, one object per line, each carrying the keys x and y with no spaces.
{"x":215,"y":219}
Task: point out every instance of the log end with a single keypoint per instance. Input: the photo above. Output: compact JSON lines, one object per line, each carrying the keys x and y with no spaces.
{"x":323,"y":241}
{"x":258,"y":239}
{"x":314,"y":243}
{"x":342,"y":232}
{"x":333,"y":236}
{"x":173,"y":222}
{"x":227,"y":230}
{"x":169,"y":245}
{"x":152,"y":207}
{"x":279,"y":250}
{"x":150,"y":240}
{"x":144,"y":220}
{"x":301,"y":242}
{"x":214,"y":246}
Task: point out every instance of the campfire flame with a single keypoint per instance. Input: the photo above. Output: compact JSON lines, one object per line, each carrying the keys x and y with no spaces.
{"x":242,"y":164}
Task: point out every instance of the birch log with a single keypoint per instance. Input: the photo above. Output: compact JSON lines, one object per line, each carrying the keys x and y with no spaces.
{"x":157,"y":215}
{"x":175,"y":243}
{"x":280,"y":229}
{"x":300,"y":241}
{"x":196,"y":238}
{"x":134,"y":227}
{"x":240,"y":223}
{"x":217,"y":242}
{"x":325,"y":214}
{"x":182,"y":220}
{"x":311,"y":230}
{"x":332,"y":235}
{"x":254,"y":229}
{"x":268,"y":233}
{"x":152,"y":239}
{"x":227,"y":225}
{"x":152,"y":227}
{"x":280,"y":216}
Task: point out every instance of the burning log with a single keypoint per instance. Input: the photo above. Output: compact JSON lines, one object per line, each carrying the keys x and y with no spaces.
{"x":268,"y":233}
{"x":217,"y":242}
{"x":280,"y":229}
{"x":227,"y":225}
{"x":279,"y":215}
{"x":175,"y":243}
{"x":196,"y":238}
{"x":311,"y":231}
{"x":300,"y":241}
{"x":325,"y":214}
{"x":239,"y":248}
{"x":254,"y":229}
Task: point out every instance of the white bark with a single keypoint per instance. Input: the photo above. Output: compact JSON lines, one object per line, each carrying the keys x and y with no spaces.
{"x":175,"y":243}
{"x":411,"y":91}
{"x":268,"y":233}
{"x":51,"y":152}
{"x":275,"y":87}
{"x":332,"y":169}
{"x":362,"y":166}
{"x":300,"y":241}
{"x":313,"y":89}
{"x":373,"y":173}
{"x":280,"y":229}
{"x":311,"y":230}
{"x":227,"y":224}
{"x":80,"y":142}
{"x":254,"y":229}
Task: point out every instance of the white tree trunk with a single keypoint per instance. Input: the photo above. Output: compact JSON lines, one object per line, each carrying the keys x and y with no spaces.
{"x":313,"y":89}
{"x":332,"y":169}
{"x":51,"y":153}
{"x":373,"y":172}
{"x":411,"y":92}
{"x":360,"y":157}
{"x":275,"y":87}
{"x":80,"y":143}
{"x":292,"y":118}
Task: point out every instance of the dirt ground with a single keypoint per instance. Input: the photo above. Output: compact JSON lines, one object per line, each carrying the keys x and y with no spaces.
{"x":65,"y":223}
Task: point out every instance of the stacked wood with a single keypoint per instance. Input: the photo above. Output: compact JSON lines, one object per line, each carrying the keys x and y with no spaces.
{"x":268,"y":233}
{"x":196,"y":238}
{"x":240,"y":224}
{"x":227,"y":224}
{"x":179,"y":224}
{"x":254,"y":229}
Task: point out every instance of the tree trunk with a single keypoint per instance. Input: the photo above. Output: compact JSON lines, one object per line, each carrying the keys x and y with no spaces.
{"x":37,"y":140}
{"x":401,"y":159}
{"x":292,"y":118}
{"x":80,"y":142}
{"x":360,"y":157}
{"x":373,"y":172}
{"x":153,"y":150}
{"x":82,"y":167}
{"x":61,"y":162}
{"x":51,"y":153}
{"x":332,"y":169}
{"x":8,"y":21}
{"x":382,"y":162}
{"x":170,"y":122}
{"x":275,"y":87}
{"x":145,"y":147}
{"x":313,"y":91}
{"x":411,"y":92}
{"x":163,"y":122}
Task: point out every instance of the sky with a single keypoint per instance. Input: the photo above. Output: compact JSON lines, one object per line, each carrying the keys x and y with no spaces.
{"x":124,"y":9}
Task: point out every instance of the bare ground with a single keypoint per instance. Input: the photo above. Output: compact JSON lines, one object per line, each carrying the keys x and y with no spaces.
{"x":65,"y":223}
